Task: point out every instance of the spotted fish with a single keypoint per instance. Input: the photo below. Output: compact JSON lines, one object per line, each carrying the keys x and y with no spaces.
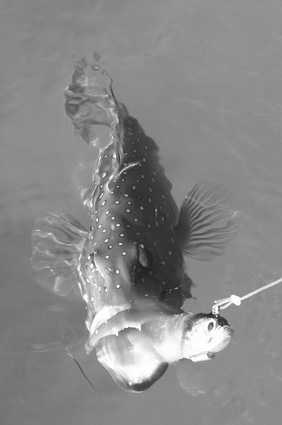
{"x":129,"y":267}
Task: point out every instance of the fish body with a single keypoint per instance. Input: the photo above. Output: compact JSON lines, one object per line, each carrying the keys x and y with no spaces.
{"x":130,"y":265}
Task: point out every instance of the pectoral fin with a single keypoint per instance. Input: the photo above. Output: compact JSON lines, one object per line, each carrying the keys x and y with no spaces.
{"x":207,"y":223}
{"x":57,"y":242}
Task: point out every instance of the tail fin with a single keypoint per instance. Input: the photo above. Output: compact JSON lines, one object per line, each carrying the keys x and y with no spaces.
{"x":92,"y":108}
{"x":90,"y":101}
{"x":57,"y":242}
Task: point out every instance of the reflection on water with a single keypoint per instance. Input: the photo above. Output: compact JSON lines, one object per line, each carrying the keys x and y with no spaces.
{"x":205,"y":80}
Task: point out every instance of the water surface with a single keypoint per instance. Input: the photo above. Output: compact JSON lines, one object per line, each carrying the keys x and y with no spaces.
{"x":204,"y":80}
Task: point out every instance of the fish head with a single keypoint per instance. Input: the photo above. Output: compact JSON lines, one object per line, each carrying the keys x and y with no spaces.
{"x":131,"y":360}
{"x":206,"y":335}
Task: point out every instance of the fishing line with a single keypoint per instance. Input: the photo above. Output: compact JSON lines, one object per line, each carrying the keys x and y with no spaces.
{"x":236,"y":300}
{"x":83,"y":373}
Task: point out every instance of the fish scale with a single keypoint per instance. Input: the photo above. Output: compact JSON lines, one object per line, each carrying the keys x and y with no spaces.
{"x":129,"y":266}
{"x":127,"y":200}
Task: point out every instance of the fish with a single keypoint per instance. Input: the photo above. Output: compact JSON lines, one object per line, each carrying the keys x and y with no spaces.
{"x":129,"y":266}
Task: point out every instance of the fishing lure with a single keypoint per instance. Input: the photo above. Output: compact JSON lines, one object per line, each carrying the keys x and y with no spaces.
{"x":129,"y":266}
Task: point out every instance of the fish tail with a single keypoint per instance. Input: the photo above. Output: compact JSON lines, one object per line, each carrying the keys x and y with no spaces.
{"x":91,"y":105}
{"x":57,"y":242}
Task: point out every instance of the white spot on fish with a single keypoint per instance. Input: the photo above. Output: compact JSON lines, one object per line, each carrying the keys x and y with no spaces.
{"x":120,"y":243}
{"x":126,"y":195}
{"x":107,"y":212}
{"x":118,"y":285}
{"x":141,"y":208}
{"x":117,"y":271}
{"x":133,"y":187}
{"x":103,"y":203}
{"x":106,"y":240}
{"x":96,"y":219}
{"x":128,"y":210}
{"x":121,"y":235}
{"x":101,"y":195}
{"x":123,"y":253}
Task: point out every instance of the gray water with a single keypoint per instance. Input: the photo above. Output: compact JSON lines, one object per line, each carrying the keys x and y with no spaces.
{"x":204,"y":78}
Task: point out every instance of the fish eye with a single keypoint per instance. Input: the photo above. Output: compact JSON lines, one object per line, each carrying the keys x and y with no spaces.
{"x":210,"y":326}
